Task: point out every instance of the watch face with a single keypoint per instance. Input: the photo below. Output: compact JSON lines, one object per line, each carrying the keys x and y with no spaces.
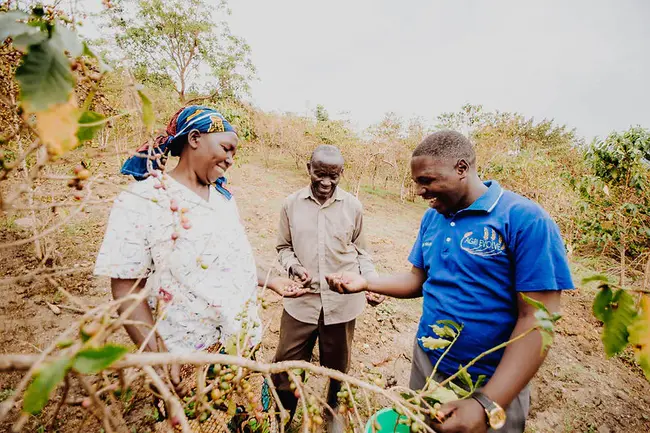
{"x":497,"y":418}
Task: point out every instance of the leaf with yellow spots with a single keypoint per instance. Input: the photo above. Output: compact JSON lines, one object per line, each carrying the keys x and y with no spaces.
{"x":434,"y":343}
{"x":494,"y":234}
{"x":640,"y":336}
{"x":57,"y":127}
{"x":486,"y":234}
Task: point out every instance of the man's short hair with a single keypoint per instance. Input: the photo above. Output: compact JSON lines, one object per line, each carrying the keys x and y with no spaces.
{"x":446,"y":144}
{"x":328,"y":150}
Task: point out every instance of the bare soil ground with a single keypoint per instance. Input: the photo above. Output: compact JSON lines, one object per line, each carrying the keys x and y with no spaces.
{"x":577,"y":389}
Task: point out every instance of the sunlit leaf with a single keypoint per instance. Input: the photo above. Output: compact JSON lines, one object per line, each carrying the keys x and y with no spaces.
{"x":45,"y":380}
{"x":479,"y":381}
{"x":544,"y":320}
{"x":443,"y":331}
{"x":535,"y":303}
{"x":547,"y":340}
{"x":465,"y":377}
{"x":93,"y":360}
{"x":147,"y":111}
{"x":57,"y":127}
{"x":451,"y":323}
{"x":90,"y":123}
{"x":597,"y":277}
{"x":66,"y":40}
{"x":434,"y":343}
{"x":22,"y":34}
{"x":440,"y":394}
{"x":45,"y":77}
{"x":616,"y":316}
{"x":458,"y":390}
{"x":640,"y":336}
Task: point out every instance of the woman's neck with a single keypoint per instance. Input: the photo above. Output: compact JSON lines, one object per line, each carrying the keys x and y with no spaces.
{"x":184,"y":175}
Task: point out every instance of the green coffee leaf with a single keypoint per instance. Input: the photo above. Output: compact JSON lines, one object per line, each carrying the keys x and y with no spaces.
{"x":640,"y":336}
{"x":451,"y":323}
{"x":45,"y":380}
{"x":441,"y":394}
{"x":66,"y":40}
{"x":93,"y":360}
{"x":434,"y":343}
{"x":535,"y":303}
{"x":597,"y":277}
{"x":13,"y":24}
{"x":601,"y":302}
{"x":90,"y":123}
{"x":479,"y":381}
{"x":547,"y":340}
{"x":458,"y":390}
{"x":465,"y":377}
{"x":45,"y":77}
{"x":443,"y":331}
{"x":544,"y":321}
{"x":10,"y":25}
{"x":147,"y":111}
{"x":617,"y":315}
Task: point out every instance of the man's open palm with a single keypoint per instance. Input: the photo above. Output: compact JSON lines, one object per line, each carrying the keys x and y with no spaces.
{"x":346,"y":282}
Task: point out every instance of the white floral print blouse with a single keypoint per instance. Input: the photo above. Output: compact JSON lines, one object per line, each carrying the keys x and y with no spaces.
{"x":196,"y":257}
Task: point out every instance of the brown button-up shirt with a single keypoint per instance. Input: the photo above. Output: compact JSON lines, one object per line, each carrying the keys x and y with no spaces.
{"x":324,"y":239}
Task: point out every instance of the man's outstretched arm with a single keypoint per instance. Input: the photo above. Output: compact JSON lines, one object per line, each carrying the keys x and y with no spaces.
{"x":405,"y":285}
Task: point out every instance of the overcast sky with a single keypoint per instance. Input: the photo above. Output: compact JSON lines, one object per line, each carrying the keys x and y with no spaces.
{"x":583,"y":62}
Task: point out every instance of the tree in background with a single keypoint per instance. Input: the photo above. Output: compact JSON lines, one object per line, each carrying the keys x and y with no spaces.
{"x":321,"y":113}
{"x":181,"y":39}
{"x":616,"y":196}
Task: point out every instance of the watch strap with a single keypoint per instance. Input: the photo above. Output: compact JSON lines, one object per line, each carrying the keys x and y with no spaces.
{"x":484,"y":401}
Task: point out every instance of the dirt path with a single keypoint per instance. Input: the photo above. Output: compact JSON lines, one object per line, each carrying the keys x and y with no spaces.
{"x":576,"y":390}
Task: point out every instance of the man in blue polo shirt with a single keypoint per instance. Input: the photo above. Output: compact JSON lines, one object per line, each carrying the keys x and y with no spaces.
{"x":478,"y":247}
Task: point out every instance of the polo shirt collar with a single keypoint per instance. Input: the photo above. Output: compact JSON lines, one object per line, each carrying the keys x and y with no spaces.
{"x":488,"y":201}
{"x":308,"y":193}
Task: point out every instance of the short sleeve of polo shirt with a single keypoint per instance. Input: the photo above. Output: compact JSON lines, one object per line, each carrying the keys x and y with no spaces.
{"x":540,"y":257}
{"x":416,"y":258}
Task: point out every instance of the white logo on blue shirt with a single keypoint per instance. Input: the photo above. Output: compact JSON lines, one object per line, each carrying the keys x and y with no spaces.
{"x":488,"y":245}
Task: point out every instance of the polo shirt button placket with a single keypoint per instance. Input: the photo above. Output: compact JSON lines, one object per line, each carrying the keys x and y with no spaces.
{"x":445,"y":248}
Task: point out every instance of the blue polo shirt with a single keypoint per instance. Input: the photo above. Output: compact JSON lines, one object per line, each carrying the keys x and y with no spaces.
{"x":476,"y":261}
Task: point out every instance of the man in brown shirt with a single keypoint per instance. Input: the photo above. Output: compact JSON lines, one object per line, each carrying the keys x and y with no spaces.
{"x":321,"y":232}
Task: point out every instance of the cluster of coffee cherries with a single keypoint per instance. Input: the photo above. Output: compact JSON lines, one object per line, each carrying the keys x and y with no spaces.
{"x":228,"y":381}
{"x":416,"y":425}
{"x":81,"y":174}
{"x":347,"y":400}
{"x":315,"y":418}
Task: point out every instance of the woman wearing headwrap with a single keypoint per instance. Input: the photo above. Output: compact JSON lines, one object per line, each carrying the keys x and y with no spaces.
{"x":180,"y":235}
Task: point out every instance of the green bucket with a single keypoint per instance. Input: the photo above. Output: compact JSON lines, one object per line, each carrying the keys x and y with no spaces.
{"x":387,"y":422}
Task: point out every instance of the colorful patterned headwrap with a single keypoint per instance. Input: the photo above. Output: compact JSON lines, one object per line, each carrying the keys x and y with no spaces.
{"x":203,"y":119}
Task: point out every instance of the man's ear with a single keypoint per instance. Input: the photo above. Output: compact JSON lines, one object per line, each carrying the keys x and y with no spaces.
{"x":193,"y":138}
{"x":462,"y":168}
{"x":309,"y":167}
